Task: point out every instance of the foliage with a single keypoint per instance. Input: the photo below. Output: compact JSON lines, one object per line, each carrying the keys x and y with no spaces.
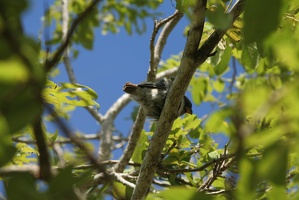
{"x":250,"y":81}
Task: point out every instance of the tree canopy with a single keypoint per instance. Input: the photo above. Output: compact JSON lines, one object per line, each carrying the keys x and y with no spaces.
{"x":240,"y":57}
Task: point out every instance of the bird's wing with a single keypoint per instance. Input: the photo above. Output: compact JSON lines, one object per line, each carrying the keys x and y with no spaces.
{"x":151,"y":85}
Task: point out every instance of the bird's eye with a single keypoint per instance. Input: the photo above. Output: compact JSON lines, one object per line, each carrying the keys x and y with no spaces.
{"x":172,"y":78}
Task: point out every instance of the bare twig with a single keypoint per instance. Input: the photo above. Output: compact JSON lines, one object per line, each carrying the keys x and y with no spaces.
{"x":217,"y":171}
{"x":51,"y":63}
{"x":156,"y":50}
{"x":119,"y":178}
{"x":108,"y":126}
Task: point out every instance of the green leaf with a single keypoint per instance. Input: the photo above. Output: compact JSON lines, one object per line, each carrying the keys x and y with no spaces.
{"x":225,"y":58}
{"x":183,"y":5}
{"x":250,"y":56}
{"x":121,"y":191}
{"x":12,"y":71}
{"x":62,"y":185}
{"x":199,"y":89}
{"x":141,"y":148}
{"x":248,"y":181}
{"x":215,"y":154}
{"x":73,"y":94}
{"x":218,"y":85}
{"x":219,"y":183}
{"x":274,"y":164}
{"x":217,"y":122}
{"x":20,"y":106}
{"x":261,"y":18}
{"x":219,"y":18}
{"x":53,"y":138}
{"x":25,"y":154}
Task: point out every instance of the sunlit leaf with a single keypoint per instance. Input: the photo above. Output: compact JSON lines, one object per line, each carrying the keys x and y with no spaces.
{"x":73,"y":94}
{"x":225,"y":58}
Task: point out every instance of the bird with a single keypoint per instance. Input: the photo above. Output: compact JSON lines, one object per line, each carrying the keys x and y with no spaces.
{"x":151,"y":97}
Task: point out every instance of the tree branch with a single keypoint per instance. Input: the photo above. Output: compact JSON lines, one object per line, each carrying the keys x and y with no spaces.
{"x":192,"y":57}
{"x":108,"y":126}
{"x":133,"y":139}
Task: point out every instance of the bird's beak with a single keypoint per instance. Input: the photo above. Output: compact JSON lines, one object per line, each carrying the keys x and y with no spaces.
{"x":130,"y":87}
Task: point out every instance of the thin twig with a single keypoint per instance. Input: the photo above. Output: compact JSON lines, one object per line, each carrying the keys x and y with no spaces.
{"x":156,"y":50}
{"x":201,"y":168}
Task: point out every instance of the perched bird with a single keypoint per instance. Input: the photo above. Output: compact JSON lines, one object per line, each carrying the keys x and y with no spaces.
{"x":151,"y":97}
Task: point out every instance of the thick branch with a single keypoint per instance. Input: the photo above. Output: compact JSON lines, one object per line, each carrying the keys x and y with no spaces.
{"x":191,"y":58}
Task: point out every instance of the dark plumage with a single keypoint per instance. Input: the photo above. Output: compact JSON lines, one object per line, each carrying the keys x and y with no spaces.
{"x":151,"y":97}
